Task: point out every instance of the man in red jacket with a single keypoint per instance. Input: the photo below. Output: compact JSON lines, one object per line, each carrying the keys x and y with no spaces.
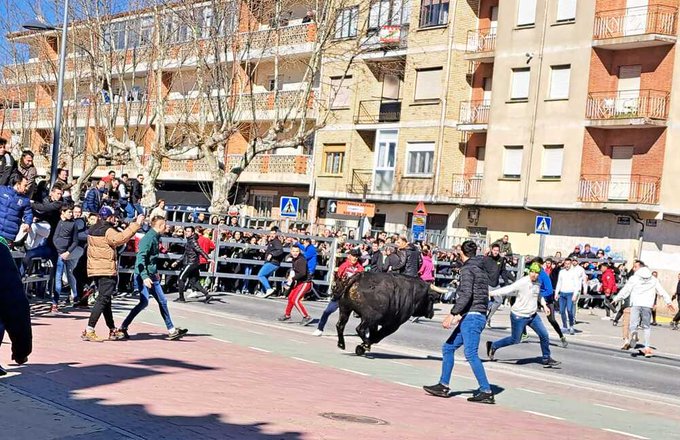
{"x":300,"y":286}
{"x":608,"y":288}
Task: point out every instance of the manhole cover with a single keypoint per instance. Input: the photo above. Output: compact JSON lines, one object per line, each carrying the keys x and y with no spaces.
{"x":354,"y":419}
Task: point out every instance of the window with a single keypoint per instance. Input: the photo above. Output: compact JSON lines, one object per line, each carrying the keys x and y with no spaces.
{"x":341,"y":92}
{"x":520,"y":84}
{"x":512,"y":162}
{"x":559,"y":81}
{"x":420,"y":156}
{"x":346,"y":22}
{"x":334,"y":159}
{"x":428,"y":84}
{"x":551,"y":167}
{"x":434,"y":13}
{"x":526,"y":13}
{"x":388,"y":13}
{"x":566,"y":10}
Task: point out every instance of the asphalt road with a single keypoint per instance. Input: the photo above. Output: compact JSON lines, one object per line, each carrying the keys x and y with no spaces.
{"x":588,"y":360}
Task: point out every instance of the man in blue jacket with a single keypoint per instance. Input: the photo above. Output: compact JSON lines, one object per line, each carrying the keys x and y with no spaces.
{"x":310,"y":254}
{"x":95,"y":197}
{"x":15,"y":209}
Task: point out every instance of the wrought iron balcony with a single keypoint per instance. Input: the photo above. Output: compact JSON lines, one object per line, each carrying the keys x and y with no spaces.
{"x":636,"y":27}
{"x":361,"y":183}
{"x":378,"y":111}
{"x":474,"y":115}
{"x":466,"y":186}
{"x":619,"y":188}
{"x":628,"y":108}
{"x":481,"y":44}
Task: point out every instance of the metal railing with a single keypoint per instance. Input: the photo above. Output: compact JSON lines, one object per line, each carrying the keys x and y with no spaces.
{"x":653,"y":19}
{"x":603,"y":188}
{"x":361,"y":182}
{"x":378,"y":110}
{"x":650,"y":104}
{"x":481,"y":40}
{"x":274,"y":163}
{"x":474,"y":112}
{"x":467,"y":186}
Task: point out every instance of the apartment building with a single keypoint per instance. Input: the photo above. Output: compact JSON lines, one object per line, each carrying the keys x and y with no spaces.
{"x":143,"y":46}
{"x":570,"y":115}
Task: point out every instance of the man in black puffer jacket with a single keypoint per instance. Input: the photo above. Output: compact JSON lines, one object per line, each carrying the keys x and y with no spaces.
{"x":469,"y":312}
{"x":190,"y":274}
{"x":410,"y":258}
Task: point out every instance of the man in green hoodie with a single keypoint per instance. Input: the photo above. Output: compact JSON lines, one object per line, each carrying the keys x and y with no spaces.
{"x":147,"y":276}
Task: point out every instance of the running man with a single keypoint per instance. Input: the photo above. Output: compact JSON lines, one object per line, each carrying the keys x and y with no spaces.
{"x":147,"y":276}
{"x":300,"y":286}
{"x":524,"y":313}
{"x":190,"y":274}
{"x":350,"y":267}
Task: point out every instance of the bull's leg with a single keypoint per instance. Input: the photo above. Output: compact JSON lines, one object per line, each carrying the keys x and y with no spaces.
{"x":340,"y":326}
{"x":384,"y":332}
{"x":363,"y":331}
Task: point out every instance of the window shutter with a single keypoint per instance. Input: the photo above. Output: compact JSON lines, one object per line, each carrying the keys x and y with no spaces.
{"x":526,"y":13}
{"x":428,"y":84}
{"x":559,"y":82}
{"x":553,"y":156}
{"x":520,"y":83}
{"x":566,"y":10}
{"x":512,"y":162}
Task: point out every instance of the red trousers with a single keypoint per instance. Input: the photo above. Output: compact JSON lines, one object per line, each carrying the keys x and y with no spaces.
{"x":296,"y":296}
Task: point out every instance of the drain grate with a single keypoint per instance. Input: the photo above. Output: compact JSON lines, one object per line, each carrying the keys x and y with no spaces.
{"x":351,"y":418}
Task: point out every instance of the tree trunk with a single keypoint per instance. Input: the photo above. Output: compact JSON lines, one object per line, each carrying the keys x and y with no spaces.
{"x":150,"y":172}
{"x":222,"y":183}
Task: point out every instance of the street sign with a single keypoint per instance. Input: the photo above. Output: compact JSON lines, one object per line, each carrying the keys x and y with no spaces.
{"x":419,"y":222}
{"x":351,"y":209}
{"x":543,"y":225}
{"x":289,"y":207}
{"x":623,"y":220}
{"x":652,"y":223}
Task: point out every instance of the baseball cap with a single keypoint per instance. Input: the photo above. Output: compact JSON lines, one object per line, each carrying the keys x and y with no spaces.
{"x":355,"y":252}
{"x":106,"y":212}
{"x":535,"y":267}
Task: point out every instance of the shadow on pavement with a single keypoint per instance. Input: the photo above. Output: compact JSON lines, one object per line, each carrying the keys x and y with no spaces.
{"x":401,"y":356}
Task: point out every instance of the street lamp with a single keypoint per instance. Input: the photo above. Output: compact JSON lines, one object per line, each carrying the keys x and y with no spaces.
{"x":35,"y":25}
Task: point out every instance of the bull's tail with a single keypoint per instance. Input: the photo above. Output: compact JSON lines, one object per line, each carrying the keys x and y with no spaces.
{"x":338,"y":293}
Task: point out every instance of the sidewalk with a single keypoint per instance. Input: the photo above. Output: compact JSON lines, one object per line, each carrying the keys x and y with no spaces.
{"x":208,"y":388}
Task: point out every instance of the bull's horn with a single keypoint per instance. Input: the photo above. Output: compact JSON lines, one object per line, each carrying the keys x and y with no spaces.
{"x":439,"y":290}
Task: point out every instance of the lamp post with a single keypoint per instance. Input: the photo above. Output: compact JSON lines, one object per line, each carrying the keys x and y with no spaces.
{"x":39,"y":26}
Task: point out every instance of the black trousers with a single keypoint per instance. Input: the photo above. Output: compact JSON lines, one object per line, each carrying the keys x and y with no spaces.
{"x":190,"y":275}
{"x":676,"y":318}
{"x":550,"y":302}
{"x":609,"y":305}
{"x":106,"y":287}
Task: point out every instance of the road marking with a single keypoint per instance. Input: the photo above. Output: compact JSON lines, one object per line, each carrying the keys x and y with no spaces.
{"x":181,"y":317}
{"x":628,"y":434}
{"x":530,"y":391}
{"x":54,"y":371}
{"x":218,"y":339}
{"x":217,"y":325}
{"x":543,"y":415}
{"x":400,"y":363}
{"x":611,"y":407}
{"x":305,"y":360}
{"x":148,"y":323}
{"x":407,"y":385}
{"x":297,"y":342}
{"x":355,"y":372}
{"x":260,"y":349}
{"x":254,"y":332}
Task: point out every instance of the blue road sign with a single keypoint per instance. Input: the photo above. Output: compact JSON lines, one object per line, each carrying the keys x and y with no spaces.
{"x":543,"y":225}
{"x":289,"y":207}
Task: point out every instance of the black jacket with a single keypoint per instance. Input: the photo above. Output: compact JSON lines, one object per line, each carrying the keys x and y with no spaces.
{"x":410,"y":260}
{"x":274,"y":251}
{"x":300,"y":269}
{"x":192,"y":252}
{"x":50,"y":212}
{"x":81,"y":228}
{"x":15,"y":313}
{"x":65,"y":237}
{"x":135,"y":190}
{"x":7,"y":166}
{"x":473,"y":291}
{"x":374,"y":262}
{"x":495,"y":267}
{"x":391,"y":263}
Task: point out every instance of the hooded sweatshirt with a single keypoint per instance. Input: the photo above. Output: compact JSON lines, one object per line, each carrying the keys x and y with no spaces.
{"x":527,"y":296}
{"x":642,"y":289}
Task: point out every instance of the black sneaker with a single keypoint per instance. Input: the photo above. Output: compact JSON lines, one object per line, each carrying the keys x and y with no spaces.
{"x":306,"y":320}
{"x":438,"y":390}
{"x":550,"y":362}
{"x":177,"y":334}
{"x":490,"y":351}
{"x":284,"y":318}
{"x":207,"y":299}
{"x":125,"y":333}
{"x":182,"y":331}
{"x":3,"y":372}
{"x":482,"y":397}
{"x":180,"y":300}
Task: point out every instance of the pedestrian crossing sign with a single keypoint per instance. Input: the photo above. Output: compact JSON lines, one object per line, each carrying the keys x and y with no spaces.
{"x":543,"y":225}
{"x":289,"y":207}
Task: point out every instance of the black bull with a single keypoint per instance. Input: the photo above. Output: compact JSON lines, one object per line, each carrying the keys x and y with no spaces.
{"x":384,"y":302}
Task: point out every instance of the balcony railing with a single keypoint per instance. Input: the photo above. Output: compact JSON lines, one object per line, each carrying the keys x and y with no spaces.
{"x":299,"y":164}
{"x":649,"y":104}
{"x":656,"y":19}
{"x":474,"y":112}
{"x":361,"y":182}
{"x":481,"y":41}
{"x":467,"y":186}
{"x":284,"y":36}
{"x":378,"y":110}
{"x":619,"y":188}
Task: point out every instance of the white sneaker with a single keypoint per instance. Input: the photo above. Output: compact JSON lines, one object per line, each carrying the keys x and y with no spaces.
{"x":194,"y":294}
{"x":317,"y":332}
{"x":606,"y":318}
{"x":269,"y":293}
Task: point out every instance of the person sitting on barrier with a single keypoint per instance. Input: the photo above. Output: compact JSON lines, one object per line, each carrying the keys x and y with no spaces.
{"x":190,"y":272}
{"x":300,"y":286}
{"x":273,"y":255}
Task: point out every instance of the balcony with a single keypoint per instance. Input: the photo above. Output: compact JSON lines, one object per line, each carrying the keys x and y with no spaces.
{"x":627,"y":109}
{"x":474,"y":116}
{"x":481,"y":45}
{"x":619,"y":188}
{"x":361,"y":183}
{"x":284,"y":36}
{"x":385,"y":43}
{"x":637,"y":27}
{"x":467,"y":186}
{"x":378,"y":111}
{"x":293,"y":169}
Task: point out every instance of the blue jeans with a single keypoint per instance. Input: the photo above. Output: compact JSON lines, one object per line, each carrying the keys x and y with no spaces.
{"x":330,"y":309}
{"x":133,"y":209}
{"x":567,"y":309}
{"x":466,"y":334}
{"x":70,"y":266}
{"x":45,"y":252}
{"x":264,"y":272}
{"x":247,"y":271}
{"x":158,"y":294}
{"x":519,"y":324}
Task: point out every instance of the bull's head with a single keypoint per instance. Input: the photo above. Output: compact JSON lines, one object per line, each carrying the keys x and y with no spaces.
{"x":338,"y":288}
{"x":425,"y":307}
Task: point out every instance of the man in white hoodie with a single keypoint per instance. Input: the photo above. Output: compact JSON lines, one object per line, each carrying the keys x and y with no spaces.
{"x":642,"y":289}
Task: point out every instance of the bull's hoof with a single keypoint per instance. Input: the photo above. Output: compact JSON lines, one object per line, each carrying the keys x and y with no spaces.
{"x":341,"y":345}
{"x":360,"y":350}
